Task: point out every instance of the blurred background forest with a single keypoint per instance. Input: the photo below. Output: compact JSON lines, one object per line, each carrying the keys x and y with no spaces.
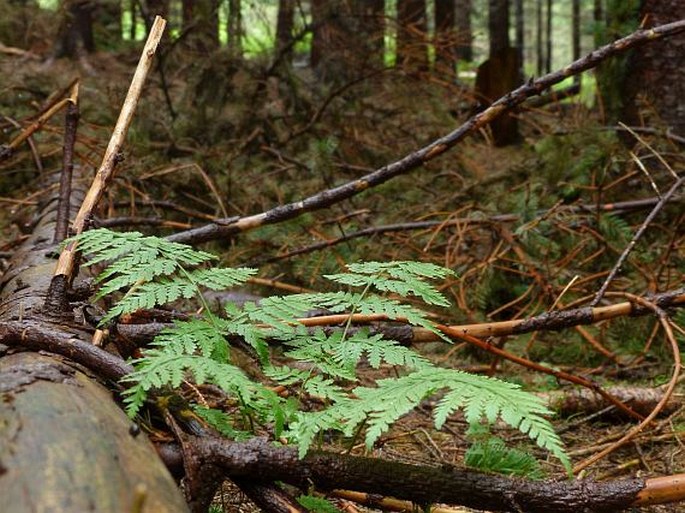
{"x":254,"y":104}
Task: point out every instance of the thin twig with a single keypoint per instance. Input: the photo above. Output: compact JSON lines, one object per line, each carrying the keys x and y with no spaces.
{"x":665,"y":323}
{"x":64,"y":272}
{"x":64,"y":201}
{"x":621,"y":260}
{"x":113,"y":154}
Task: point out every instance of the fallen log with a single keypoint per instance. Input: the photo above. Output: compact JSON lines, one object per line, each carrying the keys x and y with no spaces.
{"x":65,"y":445}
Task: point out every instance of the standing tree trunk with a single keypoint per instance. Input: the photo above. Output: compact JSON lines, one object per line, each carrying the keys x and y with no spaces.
{"x":464,"y":32}
{"x":445,"y":37}
{"x":234,"y":28}
{"x":598,"y":11}
{"x":201,"y":22}
{"x":75,"y":33}
{"x":371,"y":23}
{"x":156,"y":8}
{"x":498,"y":25}
{"x":284,"y":25}
{"x":575,"y":43}
{"x":539,"y":38}
{"x":347,"y":39}
{"x":614,"y":76}
{"x":133,"y":9}
{"x":520,"y":31}
{"x":500,"y":73}
{"x":655,"y":83}
{"x":548,"y":33}
{"x":412,"y":29}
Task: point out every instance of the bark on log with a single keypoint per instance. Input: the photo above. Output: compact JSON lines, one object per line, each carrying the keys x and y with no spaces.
{"x":65,"y":444}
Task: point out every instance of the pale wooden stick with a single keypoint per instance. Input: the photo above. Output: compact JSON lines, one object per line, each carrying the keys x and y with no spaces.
{"x":65,"y":265}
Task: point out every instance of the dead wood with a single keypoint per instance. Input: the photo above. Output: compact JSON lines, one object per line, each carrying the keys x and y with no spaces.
{"x":582,"y":400}
{"x":258,"y":458}
{"x":95,"y":440}
{"x":65,"y":444}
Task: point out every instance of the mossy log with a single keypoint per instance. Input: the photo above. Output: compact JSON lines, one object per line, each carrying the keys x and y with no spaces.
{"x":66,"y":446}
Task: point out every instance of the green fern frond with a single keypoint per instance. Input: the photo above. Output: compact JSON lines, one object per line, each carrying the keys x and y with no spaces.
{"x":166,"y":290}
{"x":135,"y":257}
{"x":492,"y":455}
{"x":222,"y":422}
{"x":480,"y":397}
{"x":159,"y":368}
{"x":403,"y":278}
{"x":110,"y":245}
{"x":614,"y":228}
{"x":239,"y":325}
{"x":338,"y":354}
{"x":313,"y":384}
{"x":157,"y":272}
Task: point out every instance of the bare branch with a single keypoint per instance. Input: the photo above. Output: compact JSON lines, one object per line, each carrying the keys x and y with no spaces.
{"x":225,"y":227}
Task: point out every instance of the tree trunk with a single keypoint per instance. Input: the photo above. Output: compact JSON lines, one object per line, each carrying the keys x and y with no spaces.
{"x":75,"y":34}
{"x":538,"y":38}
{"x":655,"y":83}
{"x":347,"y":40}
{"x":156,"y":8}
{"x":498,"y":25}
{"x":201,"y":22}
{"x":133,"y":9}
{"x":65,"y":445}
{"x":234,"y":28}
{"x":575,"y":38}
{"x":284,"y":24}
{"x":548,"y":33}
{"x":464,"y":32}
{"x":445,"y":37}
{"x":520,"y":31}
{"x":412,"y":28}
{"x":501,"y":73}
{"x":614,"y":76}
{"x":371,"y":23}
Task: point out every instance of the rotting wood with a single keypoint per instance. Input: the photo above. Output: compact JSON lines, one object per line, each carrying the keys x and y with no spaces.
{"x":65,"y":444}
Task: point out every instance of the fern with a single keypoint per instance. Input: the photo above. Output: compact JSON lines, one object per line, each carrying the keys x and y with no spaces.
{"x":319,"y":364}
{"x":156,"y":271}
{"x":492,"y":455}
{"x":403,"y":278}
{"x":479,"y":397}
{"x":222,"y":422}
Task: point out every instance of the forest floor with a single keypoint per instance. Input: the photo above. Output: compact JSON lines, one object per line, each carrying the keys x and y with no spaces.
{"x":507,"y":220}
